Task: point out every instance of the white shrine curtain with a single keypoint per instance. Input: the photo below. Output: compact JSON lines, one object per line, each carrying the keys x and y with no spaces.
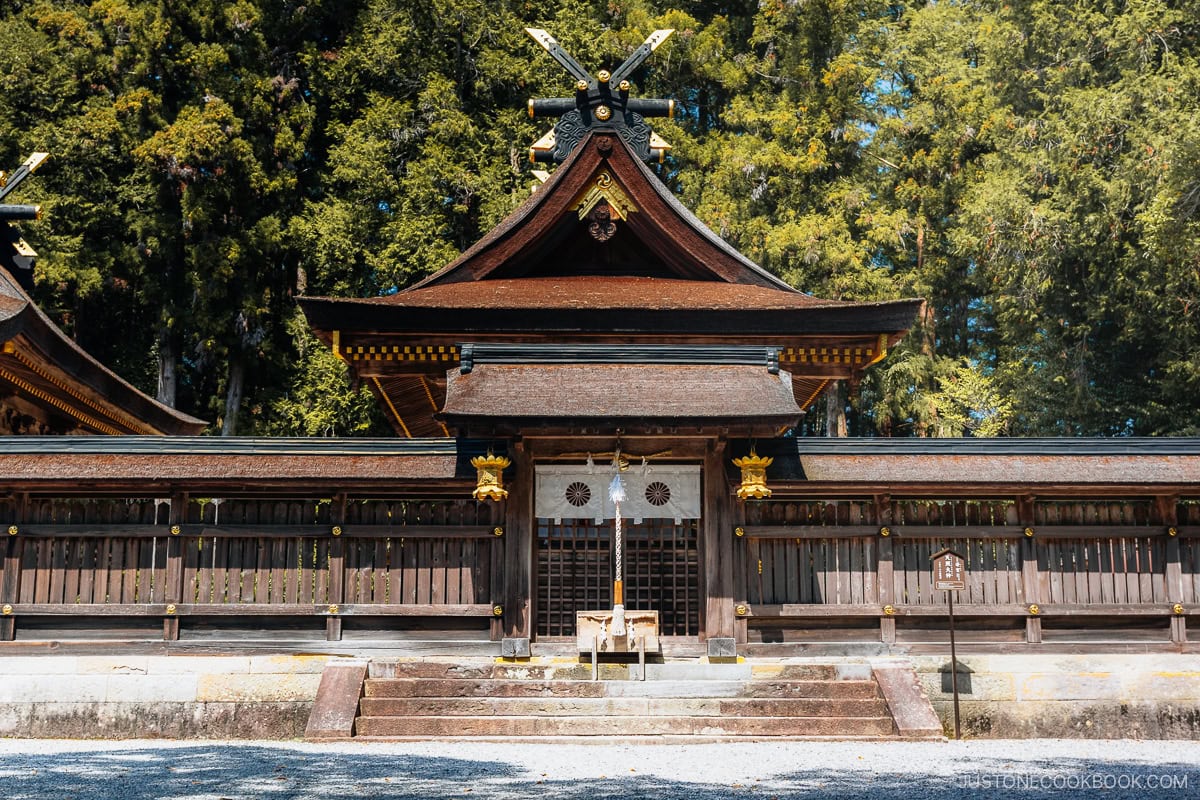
{"x":656,"y":491}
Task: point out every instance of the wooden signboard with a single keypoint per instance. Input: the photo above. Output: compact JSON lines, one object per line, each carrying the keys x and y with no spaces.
{"x":950,"y":575}
{"x":949,"y":571}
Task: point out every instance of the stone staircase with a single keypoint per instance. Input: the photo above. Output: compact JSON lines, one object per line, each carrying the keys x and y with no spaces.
{"x":428,"y":699}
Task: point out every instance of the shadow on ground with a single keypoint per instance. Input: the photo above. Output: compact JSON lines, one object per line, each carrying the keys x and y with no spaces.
{"x":239,"y":771}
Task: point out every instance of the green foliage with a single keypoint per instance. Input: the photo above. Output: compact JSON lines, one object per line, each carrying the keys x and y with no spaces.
{"x":1028,"y":168}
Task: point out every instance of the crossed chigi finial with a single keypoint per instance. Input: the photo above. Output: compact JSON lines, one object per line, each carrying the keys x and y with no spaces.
{"x":15,"y":255}
{"x":600,"y":102}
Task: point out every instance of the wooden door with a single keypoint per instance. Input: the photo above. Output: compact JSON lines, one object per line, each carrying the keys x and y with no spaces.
{"x":575,"y":572}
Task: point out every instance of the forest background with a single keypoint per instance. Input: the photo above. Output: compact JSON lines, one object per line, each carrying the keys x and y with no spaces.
{"x":1032,"y":169}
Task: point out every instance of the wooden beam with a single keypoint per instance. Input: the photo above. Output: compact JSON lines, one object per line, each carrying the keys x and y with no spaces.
{"x":816,"y":611}
{"x":740,"y":560}
{"x":174,"y":593}
{"x":1166,"y":513}
{"x":717,"y":551}
{"x":337,"y":567}
{"x":254,"y":610}
{"x":518,"y":545}
{"x":1030,"y":569}
{"x":885,"y":573}
{"x":498,"y":512}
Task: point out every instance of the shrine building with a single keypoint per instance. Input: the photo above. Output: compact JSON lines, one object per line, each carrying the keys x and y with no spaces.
{"x":598,"y":457}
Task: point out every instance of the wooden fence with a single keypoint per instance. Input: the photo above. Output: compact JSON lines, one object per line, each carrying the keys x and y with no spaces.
{"x":1064,"y":570}
{"x":804,"y":570}
{"x":203,"y":559}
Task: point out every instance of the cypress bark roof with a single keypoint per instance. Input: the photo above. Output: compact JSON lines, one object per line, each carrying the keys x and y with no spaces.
{"x":45,"y":368}
{"x":615,"y":391}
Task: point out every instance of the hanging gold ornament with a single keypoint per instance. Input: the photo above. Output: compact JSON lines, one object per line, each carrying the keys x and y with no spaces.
{"x":754,"y":476}
{"x":490,"y":479}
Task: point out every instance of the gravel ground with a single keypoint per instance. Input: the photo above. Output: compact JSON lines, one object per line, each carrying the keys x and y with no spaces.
{"x":67,"y":770}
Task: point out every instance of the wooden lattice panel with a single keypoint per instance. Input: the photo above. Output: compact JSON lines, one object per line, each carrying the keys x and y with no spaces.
{"x":575,"y":568}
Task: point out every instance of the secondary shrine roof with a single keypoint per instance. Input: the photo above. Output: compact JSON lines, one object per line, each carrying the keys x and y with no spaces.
{"x":44,"y":369}
{"x":160,"y":462}
{"x":653,"y":393}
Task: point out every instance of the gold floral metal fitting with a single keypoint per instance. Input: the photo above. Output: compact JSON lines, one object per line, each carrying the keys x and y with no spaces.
{"x":885,"y":531}
{"x":176,"y":530}
{"x":337,"y":530}
{"x":603,"y":113}
{"x":497,"y":611}
{"x":889,"y":610}
{"x":1034,"y":609}
{"x":1029,"y":532}
{"x":13,"y":530}
{"x":171,"y":608}
{"x":739,"y":532}
{"x":1178,"y":608}
{"x":497,"y":531}
{"x":333,"y":609}
{"x":741,"y":610}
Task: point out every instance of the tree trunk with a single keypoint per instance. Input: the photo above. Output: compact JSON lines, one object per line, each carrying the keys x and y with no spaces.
{"x":835,"y":411}
{"x":233,"y":396}
{"x":167,"y":363}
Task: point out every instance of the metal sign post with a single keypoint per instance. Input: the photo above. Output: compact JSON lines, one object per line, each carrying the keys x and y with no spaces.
{"x":950,"y":575}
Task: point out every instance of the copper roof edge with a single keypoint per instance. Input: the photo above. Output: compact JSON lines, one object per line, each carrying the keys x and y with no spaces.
{"x":1015,"y":446}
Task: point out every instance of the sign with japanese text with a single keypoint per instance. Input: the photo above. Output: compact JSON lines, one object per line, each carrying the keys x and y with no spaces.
{"x":949,"y":571}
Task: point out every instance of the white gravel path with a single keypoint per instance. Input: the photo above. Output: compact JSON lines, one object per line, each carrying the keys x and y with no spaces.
{"x":62,"y":770}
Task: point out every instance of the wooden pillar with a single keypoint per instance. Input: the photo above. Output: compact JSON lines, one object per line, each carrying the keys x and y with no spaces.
{"x":497,"y":512}
{"x":518,"y":547}
{"x":741,"y":590}
{"x":1166,"y":514}
{"x":717,"y":538}
{"x":12,"y":566}
{"x":173,"y":596}
{"x":884,"y":571}
{"x":1030,"y":579}
{"x":337,"y":567}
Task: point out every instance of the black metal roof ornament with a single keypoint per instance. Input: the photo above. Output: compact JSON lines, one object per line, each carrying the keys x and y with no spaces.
{"x":15,"y":255}
{"x":600,"y":102}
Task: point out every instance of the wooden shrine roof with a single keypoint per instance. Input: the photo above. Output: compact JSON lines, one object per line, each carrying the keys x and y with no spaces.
{"x":829,"y":467}
{"x":233,"y":463}
{"x":654,"y":393}
{"x":933,"y":465}
{"x":661,"y":223}
{"x":46,"y":370}
{"x":551,"y":272}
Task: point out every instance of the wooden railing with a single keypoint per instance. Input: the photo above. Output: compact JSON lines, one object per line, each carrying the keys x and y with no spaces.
{"x":1074,"y":566}
{"x":438,"y":559}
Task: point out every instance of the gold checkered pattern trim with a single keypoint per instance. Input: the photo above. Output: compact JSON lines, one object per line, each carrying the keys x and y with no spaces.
{"x":827,"y":355}
{"x":396,"y":352}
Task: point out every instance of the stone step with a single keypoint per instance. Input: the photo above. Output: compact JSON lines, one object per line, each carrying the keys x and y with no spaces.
{"x":489,"y":670}
{"x":812,"y":672}
{"x":462,"y":687}
{"x":863,"y":689}
{"x":447,"y":687}
{"x":481,"y":670}
{"x":617,"y":706}
{"x":418,"y":726}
